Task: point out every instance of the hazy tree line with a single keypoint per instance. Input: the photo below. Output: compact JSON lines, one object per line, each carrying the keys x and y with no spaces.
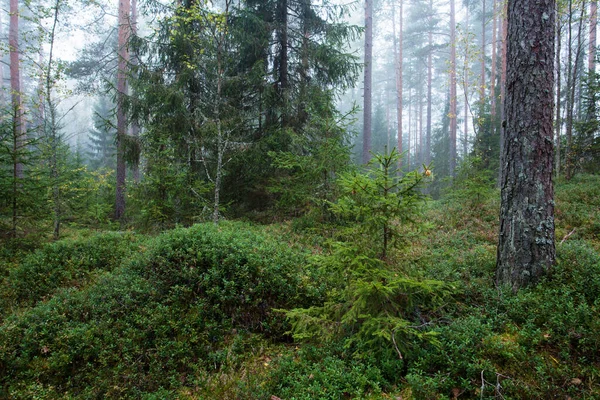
{"x":252,"y":108}
{"x":447,"y":96}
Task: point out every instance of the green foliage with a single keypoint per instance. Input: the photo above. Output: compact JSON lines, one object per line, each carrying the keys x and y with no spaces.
{"x":63,"y":264}
{"x":375,"y":203}
{"x":323,"y":373}
{"x":372,"y":308}
{"x":159,"y":322}
{"x":577,"y":211}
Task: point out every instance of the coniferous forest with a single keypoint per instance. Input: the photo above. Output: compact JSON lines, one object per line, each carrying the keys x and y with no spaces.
{"x":299,"y":199}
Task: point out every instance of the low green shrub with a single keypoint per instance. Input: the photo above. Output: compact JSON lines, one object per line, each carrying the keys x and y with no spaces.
{"x":323,"y":373}
{"x":68,"y":263}
{"x":540,"y":343}
{"x":158,"y":322}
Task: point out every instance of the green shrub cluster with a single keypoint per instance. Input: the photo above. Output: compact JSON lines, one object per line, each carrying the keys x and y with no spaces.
{"x":68,"y":263}
{"x":541,"y":343}
{"x":155,"y":323}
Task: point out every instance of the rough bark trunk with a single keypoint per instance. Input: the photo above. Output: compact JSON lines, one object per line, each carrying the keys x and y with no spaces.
{"x":453,"y":99}
{"x":366,"y":155}
{"x":123,"y":39}
{"x":526,"y":242}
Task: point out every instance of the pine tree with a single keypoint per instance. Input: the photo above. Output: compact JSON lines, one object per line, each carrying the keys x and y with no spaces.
{"x":102,"y":135}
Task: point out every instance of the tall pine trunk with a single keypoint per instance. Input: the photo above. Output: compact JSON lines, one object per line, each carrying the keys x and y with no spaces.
{"x":135,"y":126}
{"x":526,"y":242}
{"x":429,"y":85}
{"x":123,"y":54}
{"x":367,"y":121}
{"x":17,"y":109}
{"x":592,"y":41}
{"x":453,"y":99}
{"x":398,"y":61}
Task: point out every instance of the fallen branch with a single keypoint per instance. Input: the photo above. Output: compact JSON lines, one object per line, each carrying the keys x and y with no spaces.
{"x":566,"y":237}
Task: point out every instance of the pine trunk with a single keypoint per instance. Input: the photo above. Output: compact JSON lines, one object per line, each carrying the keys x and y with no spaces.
{"x":398,"y":61}
{"x":17,"y":109}
{"x":366,"y":153}
{"x":429,"y":86}
{"x":592,"y":42}
{"x":123,"y":53}
{"x":453,"y":99}
{"x":526,"y":242}
{"x":135,"y":127}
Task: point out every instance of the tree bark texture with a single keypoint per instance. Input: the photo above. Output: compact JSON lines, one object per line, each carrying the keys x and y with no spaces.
{"x":366,"y":155}
{"x":123,"y":39}
{"x":526,"y":242}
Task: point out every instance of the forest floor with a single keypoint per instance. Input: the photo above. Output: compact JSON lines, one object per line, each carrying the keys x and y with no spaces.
{"x":189,"y":313}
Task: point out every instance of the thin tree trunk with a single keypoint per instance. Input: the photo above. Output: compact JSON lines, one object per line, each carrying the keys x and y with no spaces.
{"x":493,"y":72}
{"x":572,"y":84}
{"x":420,"y":99}
{"x":453,"y":99}
{"x":526,"y":241}
{"x":17,"y":109}
{"x":135,"y":127}
{"x":558,"y":121}
{"x":398,"y":48}
{"x":466,"y":90}
{"x":592,"y":43}
{"x":52,"y":131}
{"x":482,"y":77}
{"x":366,"y":155}
{"x":503,"y":86}
{"x":282,"y":40}
{"x":429,"y":86}
{"x":123,"y":39}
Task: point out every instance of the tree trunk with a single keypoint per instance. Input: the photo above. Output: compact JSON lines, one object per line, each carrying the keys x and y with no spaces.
{"x":429,"y":86}
{"x":493,"y":72}
{"x":526,"y":241}
{"x":466,"y":71}
{"x":558,"y":121}
{"x":366,"y":155}
{"x":282,"y":59}
{"x":503,"y":86}
{"x":592,"y":43}
{"x":135,"y":127}
{"x":572,"y":79}
{"x":123,"y":39}
{"x":398,"y":61}
{"x":482,"y":77}
{"x":17,"y":109}
{"x":453,"y":99}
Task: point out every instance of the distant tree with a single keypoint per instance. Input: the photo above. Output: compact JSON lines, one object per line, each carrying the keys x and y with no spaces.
{"x":368,"y":81}
{"x":101,"y":135}
{"x":526,"y":247}
{"x":453,"y":97}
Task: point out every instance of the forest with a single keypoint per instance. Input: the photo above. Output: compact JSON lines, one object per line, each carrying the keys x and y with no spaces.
{"x":299,"y":199}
